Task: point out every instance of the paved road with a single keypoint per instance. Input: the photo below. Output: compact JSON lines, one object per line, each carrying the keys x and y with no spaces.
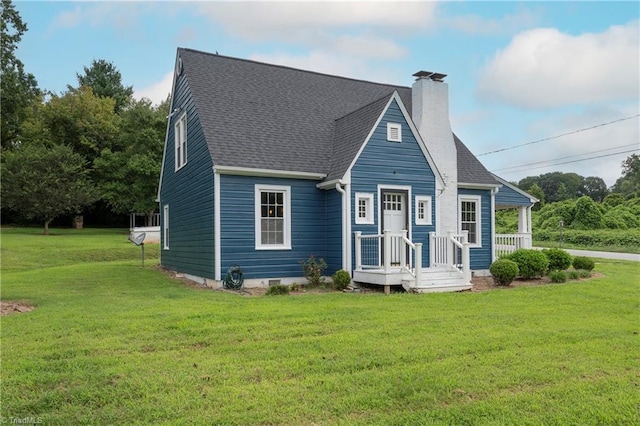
{"x":602,"y":254}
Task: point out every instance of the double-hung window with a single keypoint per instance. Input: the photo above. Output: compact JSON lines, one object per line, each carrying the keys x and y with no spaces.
{"x":469,"y":208}
{"x":165,"y":227}
{"x":273,"y":217}
{"x":180,"y":137}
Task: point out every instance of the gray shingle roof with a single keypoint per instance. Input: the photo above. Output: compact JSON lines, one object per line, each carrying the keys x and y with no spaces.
{"x":470,"y":169}
{"x":265,"y":116}
{"x":258,"y":115}
{"x":350,"y":132}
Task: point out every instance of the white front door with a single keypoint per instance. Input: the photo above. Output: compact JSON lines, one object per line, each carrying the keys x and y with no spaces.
{"x":394,"y":219}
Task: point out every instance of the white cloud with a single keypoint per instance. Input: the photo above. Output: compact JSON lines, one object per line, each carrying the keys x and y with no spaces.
{"x":476,"y":24}
{"x":547,"y":68}
{"x":121,"y":15}
{"x":290,"y":21}
{"x":157,"y":92}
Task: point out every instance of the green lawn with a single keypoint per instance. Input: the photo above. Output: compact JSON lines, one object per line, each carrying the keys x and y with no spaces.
{"x":111,"y":342}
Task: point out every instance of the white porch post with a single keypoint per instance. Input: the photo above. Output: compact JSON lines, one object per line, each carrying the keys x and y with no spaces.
{"x":418,"y":264}
{"x":522,"y":220}
{"x":387,"y":250}
{"x":449,"y":248}
{"x":466,"y":259}
{"x":432,"y":249}
{"x":358,"y":251}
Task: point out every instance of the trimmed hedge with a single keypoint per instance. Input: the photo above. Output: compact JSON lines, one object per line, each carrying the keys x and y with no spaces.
{"x":504,"y":271}
{"x":584,"y":263}
{"x":531,"y":263}
{"x":341,"y":279}
{"x":559,"y":260}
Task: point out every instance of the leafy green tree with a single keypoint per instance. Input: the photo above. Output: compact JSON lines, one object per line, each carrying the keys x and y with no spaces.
{"x":557,"y":186}
{"x":537,"y":192}
{"x":18,"y":89}
{"x":128,"y":174}
{"x":613,"y":199}
{"x":79,"y":119}
{"x":106,"y":82}
{"x":628,"y":185}
{"x":42,"y":183}
{"x":594,"y":187}
{"x":588,"y":214}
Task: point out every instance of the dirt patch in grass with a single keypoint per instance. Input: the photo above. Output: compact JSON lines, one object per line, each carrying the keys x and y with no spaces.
{"x":8,"y":307}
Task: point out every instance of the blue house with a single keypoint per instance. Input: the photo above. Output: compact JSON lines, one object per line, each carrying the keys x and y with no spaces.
{"x":266,"y":165}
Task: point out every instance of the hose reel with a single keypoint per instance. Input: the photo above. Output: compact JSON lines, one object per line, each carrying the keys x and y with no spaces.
{"x":234,"y":278}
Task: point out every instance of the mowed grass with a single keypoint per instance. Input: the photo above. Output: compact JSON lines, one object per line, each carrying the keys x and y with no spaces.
{"x":111,"y":342}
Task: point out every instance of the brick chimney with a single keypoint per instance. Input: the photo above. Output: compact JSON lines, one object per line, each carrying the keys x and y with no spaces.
{"x":430,"y":113}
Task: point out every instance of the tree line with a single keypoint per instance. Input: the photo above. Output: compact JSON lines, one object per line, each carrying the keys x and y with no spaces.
{"x":93,"y":148}
{"x":559,"y":186}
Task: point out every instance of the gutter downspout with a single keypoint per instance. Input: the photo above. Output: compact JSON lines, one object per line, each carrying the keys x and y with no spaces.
{"x":493,"y":223}
{"x":344,"y":224}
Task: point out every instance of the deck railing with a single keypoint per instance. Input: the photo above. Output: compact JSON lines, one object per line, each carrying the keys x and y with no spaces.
{"x":508,"y":243}
{"x":451,"y":250}
{"x":389,"y":250}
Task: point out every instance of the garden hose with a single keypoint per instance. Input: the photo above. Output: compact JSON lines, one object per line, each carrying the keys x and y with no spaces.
{"x":234,"y":278}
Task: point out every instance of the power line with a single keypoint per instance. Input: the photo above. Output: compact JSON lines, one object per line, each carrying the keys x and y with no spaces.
{"x":577,"y":161}
{"x":559,"y":136}
{"x":564,"y":158}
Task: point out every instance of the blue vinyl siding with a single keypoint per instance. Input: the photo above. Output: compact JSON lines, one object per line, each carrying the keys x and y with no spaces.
{"x":237,"y":223}
{"x":333,"y":215}
{"x":393,"y":163}
{"x":189,"y":194}
{"x":481,"y":256}
{"x":508,"y":197}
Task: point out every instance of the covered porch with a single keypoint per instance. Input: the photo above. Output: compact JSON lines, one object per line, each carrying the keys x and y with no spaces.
{"x":510,"y":197}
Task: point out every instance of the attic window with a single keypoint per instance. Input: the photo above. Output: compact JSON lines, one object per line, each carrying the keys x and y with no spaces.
{"x":394,"y":132}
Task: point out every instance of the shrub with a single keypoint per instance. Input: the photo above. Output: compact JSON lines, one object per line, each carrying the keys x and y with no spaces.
{"x":341,"y":279}
{"x":559,"y":260}
{"x":588,"y":214}
{"x":573,"y":274}
{"x":504,"y":271}
{"x":581,"y":262}
{"x":584,"y":273}
{"x":277,"y":289}
{"x":558,"y":276}
{"x":313,"y":269}
{"x":531,"y":263}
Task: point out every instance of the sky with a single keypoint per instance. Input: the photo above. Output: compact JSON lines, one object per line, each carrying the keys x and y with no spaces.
{"x":543,"y":83}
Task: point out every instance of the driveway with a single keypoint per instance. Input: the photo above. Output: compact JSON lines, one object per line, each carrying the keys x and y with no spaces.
{"x":602,"y":254}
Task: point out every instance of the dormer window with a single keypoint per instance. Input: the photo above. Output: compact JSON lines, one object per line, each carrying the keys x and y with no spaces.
{"x":394,"y":132}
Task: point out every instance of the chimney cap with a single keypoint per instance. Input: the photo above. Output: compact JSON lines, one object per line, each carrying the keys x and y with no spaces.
{"x":435,"y":76}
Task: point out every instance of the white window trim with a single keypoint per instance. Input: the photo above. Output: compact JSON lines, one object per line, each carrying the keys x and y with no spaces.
{"x":287,"y":217}
{"x":478,"y":200}
{"x":428,"y":210}
{"x":368,"y":220}
{"x":165,"y":227}
{"x":180,"y":162}
{"x":391,"y":126}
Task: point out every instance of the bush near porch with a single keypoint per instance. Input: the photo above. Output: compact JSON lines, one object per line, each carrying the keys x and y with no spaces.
{"x":111,"y":342}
